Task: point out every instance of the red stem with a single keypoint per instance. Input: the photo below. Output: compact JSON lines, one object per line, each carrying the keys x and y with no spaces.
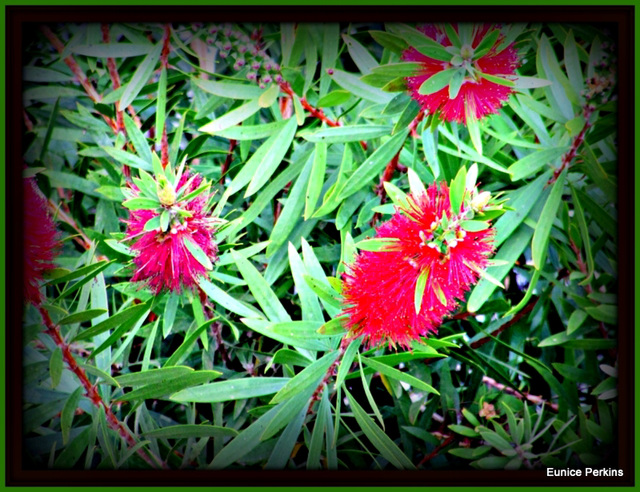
{"x":315,"y":112}
{"x":90,"y":390}
{"x":317,"y":394}
{"x":577,"y":142}
{"x":166,"y":46}
{"x":227,"y":161}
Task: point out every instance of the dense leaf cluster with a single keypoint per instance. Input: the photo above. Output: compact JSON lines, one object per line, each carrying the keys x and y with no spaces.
{"x":304,"y":134}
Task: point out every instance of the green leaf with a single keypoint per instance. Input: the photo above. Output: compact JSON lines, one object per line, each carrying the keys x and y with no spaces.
{"x":169,"y":314}
{"x":393,"y":373}
{"x":186,"y":431}
{"x":420,"y":41}
{"x":439,"y":81}
{"x":231,"y":90}
{"x":72,"y":182}
{"x":138,"y":139}
{"x":358,"y":88}
{"x":342,"y":134}
{"x":389,"y":41}
{"x":225,"y":300}
{"x":535,"y":161}
{"x":252,"y":132}
{"x":291,"y":212}
{"x":244,"y":442}
{"x":333,"y":327}
{"x":269,"y":96}
{"x":309,"y":376}
{"x":152,"y":376}
{"x":142,"y":74}
{"x":401,"y":69}
{"x":497,"y":80}
{"x":463,"y":430}
{"x":388,"y":449}
{"x":542,"y":232}
{"x":152,"y":224}
{"x":141,"y":204}
{"x":163,"y":389}
{"x":360,"y":55}
{"x":606,"y":313}
{"x":264,"y":162}
{"x":133,"y":312}
{"x":373,"y":165}
{"x":418,"y":293}
{"x":377,"y":244}
{"x":457,"y":190}
{"x":509,"y":252}
{"x":111,"y":50}
{"x":197,"y":252}
{"x":575,"y":320}
{"x":319,"y":342}
{"x":334,"y":98}
{"x":522,"y":82}
{"x":260,"y":289}
{"x":473,"y":126}
{"x":232,"y":118}
{"x":73,"y":451}
{"x":474,"y":225}
{"x":316,"y":180}
{"x":456,"y":83}
{"x":498,"y":442}
{"x":488,"y":41}
{"x":67,"y":414}
{"x":309,"y":304}
{"x":187,"y":344}
{"x":81,"y":316}
{"x":55,"y":367}
{"x":234,"y":389}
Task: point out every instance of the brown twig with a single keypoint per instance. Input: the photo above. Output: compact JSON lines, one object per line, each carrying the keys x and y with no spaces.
{"x":537,"y":400}
{"x":448,"y":440}
{"x":90,"y":390}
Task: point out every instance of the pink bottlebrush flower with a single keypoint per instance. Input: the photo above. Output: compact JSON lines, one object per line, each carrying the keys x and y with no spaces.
{"x":41,"y":243}
{"x":477,"y":96}
{"x":379,"y":287}
{"x":165,"y":259}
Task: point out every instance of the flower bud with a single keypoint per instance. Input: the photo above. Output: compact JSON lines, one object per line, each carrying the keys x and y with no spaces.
{"x":166,"y":192}
{"x":480,"y":201}
{"x":466,"y":52}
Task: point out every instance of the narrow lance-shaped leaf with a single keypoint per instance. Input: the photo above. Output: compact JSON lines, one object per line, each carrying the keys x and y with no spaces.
{"x":421,"y":283}
{"x":540,"y":241}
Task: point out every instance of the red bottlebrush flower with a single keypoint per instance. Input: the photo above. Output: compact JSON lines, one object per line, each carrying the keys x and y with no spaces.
{"x":379,"y":287}
{"x":40,"y":241}
{"x":476,"y":96}
{"x":174,"y":258}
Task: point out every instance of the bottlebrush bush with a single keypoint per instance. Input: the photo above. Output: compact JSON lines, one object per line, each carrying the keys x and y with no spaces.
{"x":320,"y":246}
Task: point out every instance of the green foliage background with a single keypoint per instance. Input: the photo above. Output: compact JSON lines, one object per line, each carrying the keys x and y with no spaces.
{"x":523,"y":377}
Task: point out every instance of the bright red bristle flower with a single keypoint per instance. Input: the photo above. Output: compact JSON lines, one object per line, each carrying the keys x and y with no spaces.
{"x":379,"y":287}
{"x":41,"y":243}
{"x":168,"y":260}
{"x":477,"y":96}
